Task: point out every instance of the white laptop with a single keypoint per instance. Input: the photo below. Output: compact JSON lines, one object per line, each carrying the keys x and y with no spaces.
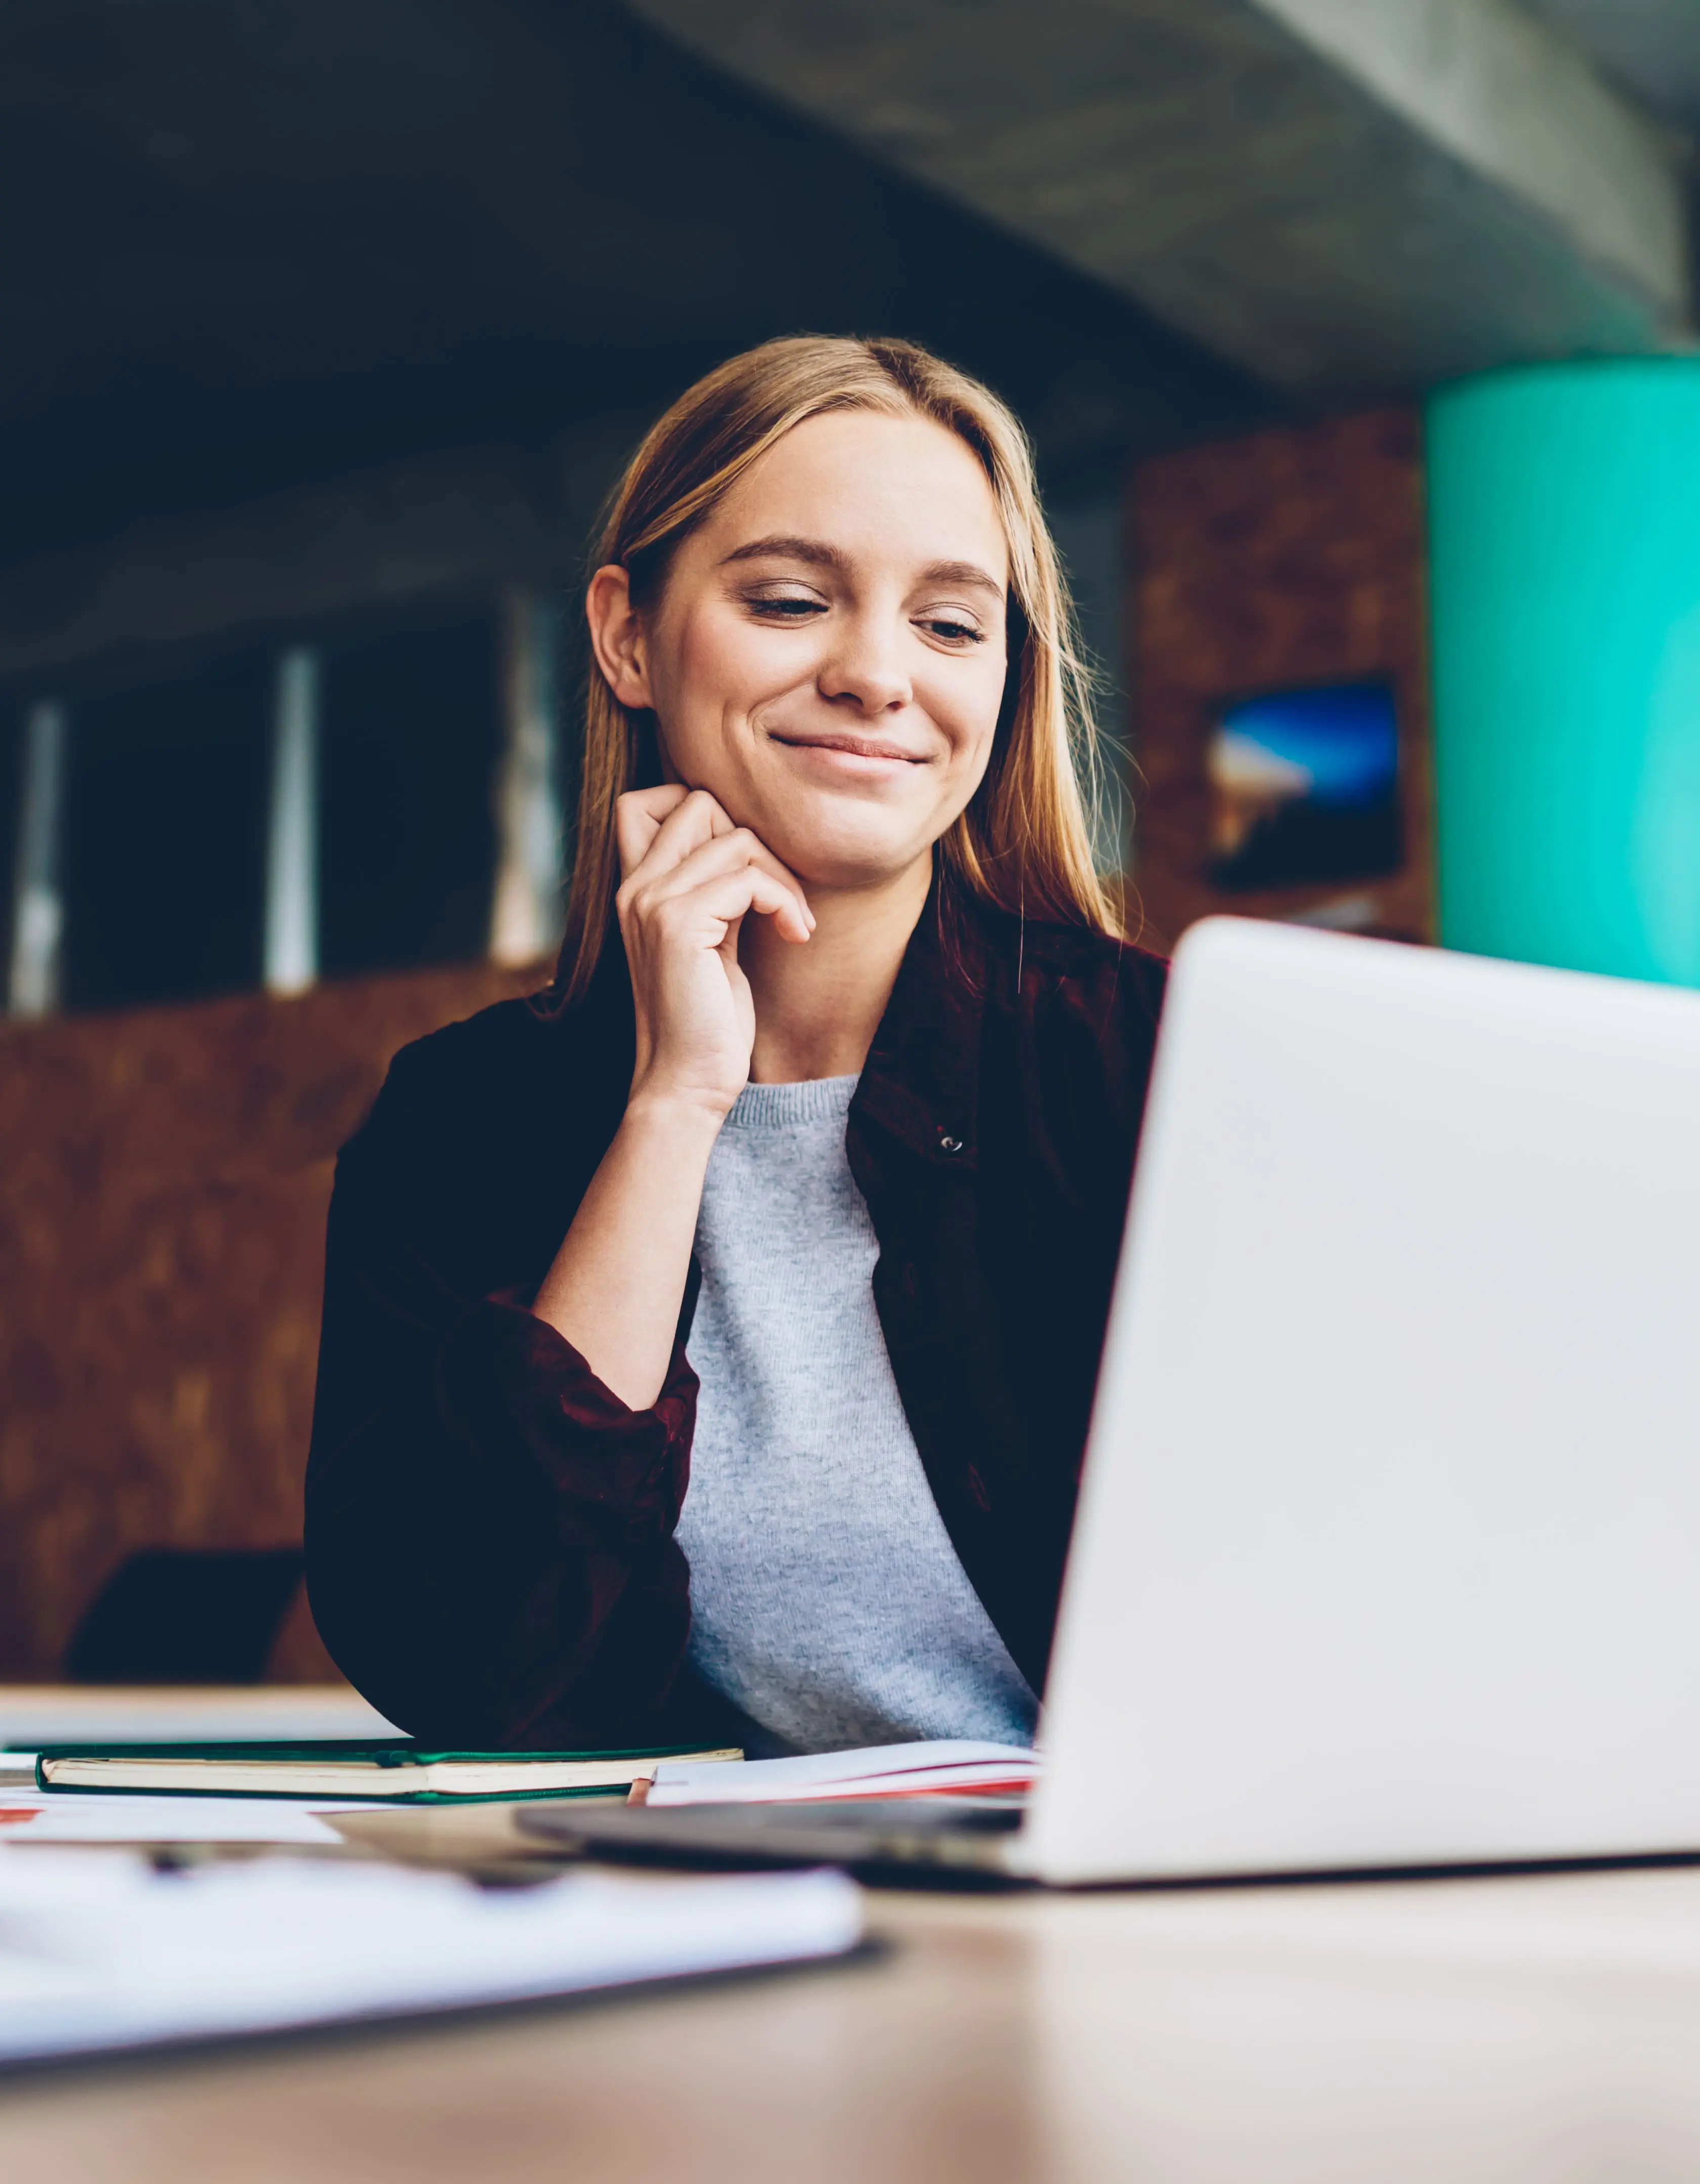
{"x":1388,"y":1550}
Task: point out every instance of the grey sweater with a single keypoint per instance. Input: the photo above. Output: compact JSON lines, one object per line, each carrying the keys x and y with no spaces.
{"x":827,"y":1599}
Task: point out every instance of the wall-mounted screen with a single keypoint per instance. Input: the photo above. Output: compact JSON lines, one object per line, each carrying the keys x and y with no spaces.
{"x":1304,"y":787}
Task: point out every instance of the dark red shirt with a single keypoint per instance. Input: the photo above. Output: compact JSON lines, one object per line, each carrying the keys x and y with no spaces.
{"x":490,"y":1545}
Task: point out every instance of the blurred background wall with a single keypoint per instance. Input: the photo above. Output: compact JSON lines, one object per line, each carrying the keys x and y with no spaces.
{"x":323,"y":330}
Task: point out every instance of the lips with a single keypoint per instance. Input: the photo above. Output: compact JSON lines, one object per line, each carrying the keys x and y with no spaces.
{"x":853,"y":747}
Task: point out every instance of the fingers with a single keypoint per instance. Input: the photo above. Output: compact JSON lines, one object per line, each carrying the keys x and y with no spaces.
{"x":746,"y":886}
{"x":669,"y":821}
{"x":708,"y":911}
{"x":638,"y":817}
{"x":670,"y":870}
{"x":737,"y":868}
{"x":725,"y":853}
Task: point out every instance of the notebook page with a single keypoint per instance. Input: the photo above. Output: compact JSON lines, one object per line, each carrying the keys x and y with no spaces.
{"x":938,"y":1763}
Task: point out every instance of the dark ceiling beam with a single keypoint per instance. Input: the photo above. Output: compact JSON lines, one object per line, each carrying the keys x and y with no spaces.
{"x":1343,"y":196}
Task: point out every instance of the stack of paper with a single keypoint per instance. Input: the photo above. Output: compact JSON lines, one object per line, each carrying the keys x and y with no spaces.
{"x":950,"y":1767}
{"x":96,"y":1952}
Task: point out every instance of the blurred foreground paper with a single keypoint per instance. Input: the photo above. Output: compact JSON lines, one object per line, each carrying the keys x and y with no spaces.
{"x":100,"y":1953}
{"x":30,"y":1817}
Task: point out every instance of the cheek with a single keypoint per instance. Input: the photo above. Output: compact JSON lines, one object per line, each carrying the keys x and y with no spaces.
{"x":721,"y":665}
{"x":688,"y":675}
{"x":698,"y":673}
{"x":967,"y":710}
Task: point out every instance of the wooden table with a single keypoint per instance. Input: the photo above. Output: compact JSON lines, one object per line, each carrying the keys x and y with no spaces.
{"x":1537,"y":2028}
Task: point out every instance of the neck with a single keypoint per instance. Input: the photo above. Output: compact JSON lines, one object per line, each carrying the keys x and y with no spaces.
{"x":818,"y":1006}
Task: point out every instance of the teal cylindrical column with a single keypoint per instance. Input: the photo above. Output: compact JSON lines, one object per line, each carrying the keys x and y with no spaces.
{"x":1564,"y":581}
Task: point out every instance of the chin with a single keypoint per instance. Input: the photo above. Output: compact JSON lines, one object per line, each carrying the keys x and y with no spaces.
{"x":843,"y":857}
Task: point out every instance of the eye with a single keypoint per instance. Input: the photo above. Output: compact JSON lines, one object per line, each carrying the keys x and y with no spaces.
{"x":785,"y":606}
{"x":952,"y":629}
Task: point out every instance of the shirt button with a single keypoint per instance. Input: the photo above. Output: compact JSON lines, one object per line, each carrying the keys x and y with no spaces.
{"x":947,"y":1144}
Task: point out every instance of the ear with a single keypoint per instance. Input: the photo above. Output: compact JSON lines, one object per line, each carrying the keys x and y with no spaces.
{"x":617,"y":637}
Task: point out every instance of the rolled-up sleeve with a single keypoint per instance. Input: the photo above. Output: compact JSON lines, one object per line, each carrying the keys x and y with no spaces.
{"x":490,"y":1546}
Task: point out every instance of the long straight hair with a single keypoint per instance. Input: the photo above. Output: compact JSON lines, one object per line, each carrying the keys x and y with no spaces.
{"x":1024,"y":842}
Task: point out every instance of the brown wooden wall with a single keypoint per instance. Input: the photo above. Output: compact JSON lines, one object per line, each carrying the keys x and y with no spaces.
{"x":162,"y":1226}
{"x":1288,"y":557}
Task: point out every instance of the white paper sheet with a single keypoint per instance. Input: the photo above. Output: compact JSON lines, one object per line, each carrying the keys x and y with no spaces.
{"x":942,"y":1764}
{"x":97,"y":1951}
{"x":29,"y":1817}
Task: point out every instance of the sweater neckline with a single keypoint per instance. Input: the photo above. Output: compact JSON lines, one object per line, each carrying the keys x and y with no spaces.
{"x":781,"y":1107}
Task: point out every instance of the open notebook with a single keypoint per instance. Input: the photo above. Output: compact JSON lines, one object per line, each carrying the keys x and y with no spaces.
{"x":943,"y":1767}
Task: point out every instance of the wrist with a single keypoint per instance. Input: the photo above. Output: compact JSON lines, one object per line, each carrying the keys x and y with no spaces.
{"x":687,"y":1117}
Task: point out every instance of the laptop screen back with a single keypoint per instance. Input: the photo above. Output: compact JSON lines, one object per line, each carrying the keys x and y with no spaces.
{"x":1389,"y":1548}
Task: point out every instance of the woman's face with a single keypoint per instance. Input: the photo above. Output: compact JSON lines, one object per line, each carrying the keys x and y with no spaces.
{"x":828,"y":656}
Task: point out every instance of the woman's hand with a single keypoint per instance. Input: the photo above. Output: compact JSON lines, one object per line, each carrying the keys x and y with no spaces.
{"x":690,"y":877}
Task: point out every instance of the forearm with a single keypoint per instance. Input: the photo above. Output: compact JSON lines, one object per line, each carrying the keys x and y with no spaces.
{"x":618,"y":1284}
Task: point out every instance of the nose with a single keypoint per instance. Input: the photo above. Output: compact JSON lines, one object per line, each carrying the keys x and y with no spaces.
{"x":865,"y":668}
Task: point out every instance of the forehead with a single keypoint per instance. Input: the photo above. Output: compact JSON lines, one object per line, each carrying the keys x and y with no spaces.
{"x":875,"y":486}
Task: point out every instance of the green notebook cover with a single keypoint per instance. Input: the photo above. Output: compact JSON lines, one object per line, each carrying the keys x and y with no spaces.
{"x":386,"y":1752}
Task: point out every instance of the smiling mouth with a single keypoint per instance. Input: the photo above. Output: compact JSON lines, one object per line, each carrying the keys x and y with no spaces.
{"x":852,"y":746}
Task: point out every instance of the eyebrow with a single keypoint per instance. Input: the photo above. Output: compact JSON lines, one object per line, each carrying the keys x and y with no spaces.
{"x":822,"y":556}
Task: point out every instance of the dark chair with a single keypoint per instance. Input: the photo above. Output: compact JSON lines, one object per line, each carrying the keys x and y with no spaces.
{"x":177,"y":1615}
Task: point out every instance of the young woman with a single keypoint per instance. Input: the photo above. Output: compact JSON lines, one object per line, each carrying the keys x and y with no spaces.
{"x":710,"y":1344}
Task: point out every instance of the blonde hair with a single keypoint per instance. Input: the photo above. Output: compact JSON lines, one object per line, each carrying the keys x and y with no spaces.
{"x":1024,"y":842}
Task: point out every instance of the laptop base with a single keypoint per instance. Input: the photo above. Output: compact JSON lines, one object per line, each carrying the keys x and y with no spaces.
{"x":933,"y":1843}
